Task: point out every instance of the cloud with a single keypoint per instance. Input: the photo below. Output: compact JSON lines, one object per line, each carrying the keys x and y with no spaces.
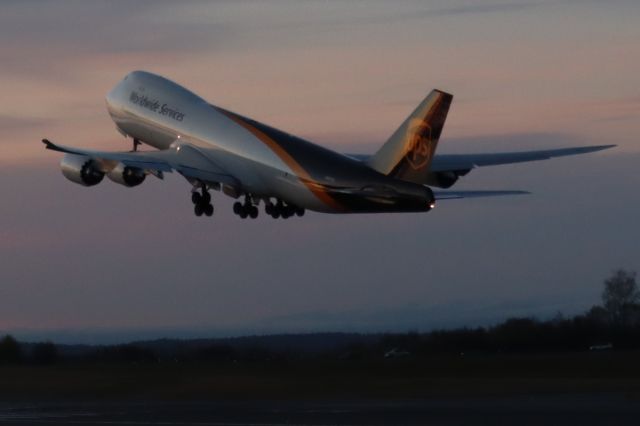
{"x":55,"y":33}
{"x":11,"y":123}
{"x":479,"y":8}
{"x":615,"y":109}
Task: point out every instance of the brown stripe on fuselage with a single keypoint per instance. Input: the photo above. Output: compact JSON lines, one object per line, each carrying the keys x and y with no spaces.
{"x":306,"y":179}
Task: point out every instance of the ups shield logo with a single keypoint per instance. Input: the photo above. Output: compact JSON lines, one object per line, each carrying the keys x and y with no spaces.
{"x":419,"y":152}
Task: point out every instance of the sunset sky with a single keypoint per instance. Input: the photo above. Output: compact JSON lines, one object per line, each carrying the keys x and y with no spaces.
{"x":110,"y":263}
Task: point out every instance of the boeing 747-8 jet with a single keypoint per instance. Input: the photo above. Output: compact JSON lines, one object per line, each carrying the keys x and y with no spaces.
{"x":216,"y":149}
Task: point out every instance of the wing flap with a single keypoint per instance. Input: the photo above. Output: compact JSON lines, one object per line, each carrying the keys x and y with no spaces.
{"x":147,"y":165}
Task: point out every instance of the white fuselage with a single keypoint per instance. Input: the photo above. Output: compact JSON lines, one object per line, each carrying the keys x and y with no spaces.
{"x":161,"y":113}
{"x":265,"y":162}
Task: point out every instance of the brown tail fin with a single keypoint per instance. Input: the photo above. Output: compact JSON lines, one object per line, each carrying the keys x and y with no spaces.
{"x":408,"y":153}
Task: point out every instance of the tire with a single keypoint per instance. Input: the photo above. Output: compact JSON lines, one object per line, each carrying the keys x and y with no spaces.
{"x":300,"y":212}
{"x":206,"y":198}
{"x":198,"y":210}
{"x":196,"y":198}
{"x":237,"y":207}
{"x":253,"y":212}
{"x":208,"y":210}
{"x":243,"y":213}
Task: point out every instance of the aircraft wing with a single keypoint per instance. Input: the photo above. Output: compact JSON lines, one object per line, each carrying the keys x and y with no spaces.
{"x":456,"y":195}
{"x":186,"y":159}
{"x":457,"y":162}
{"x":466,"y":162}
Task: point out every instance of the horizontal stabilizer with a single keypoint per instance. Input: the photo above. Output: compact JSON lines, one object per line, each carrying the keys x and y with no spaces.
{"x":456,"y":195}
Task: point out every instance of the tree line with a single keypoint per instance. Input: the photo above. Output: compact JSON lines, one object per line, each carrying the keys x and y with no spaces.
{"x":612,"y":325}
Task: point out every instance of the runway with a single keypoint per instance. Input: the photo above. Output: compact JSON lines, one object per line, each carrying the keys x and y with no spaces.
{"x":579,"y":409}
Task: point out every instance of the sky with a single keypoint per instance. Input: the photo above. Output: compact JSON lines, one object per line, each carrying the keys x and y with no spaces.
{"x":109,"y":263}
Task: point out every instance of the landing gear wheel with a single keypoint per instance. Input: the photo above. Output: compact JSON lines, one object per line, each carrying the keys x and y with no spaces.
{"x":243,"y":214}
{"x":208,"y":210}
{"x":299,"y":212}
{"x":253,"y":212}
{"x":198,"y":210}
{"x":206,"y":197}
{"x":196,"y":198}
{"x":237,"y":207}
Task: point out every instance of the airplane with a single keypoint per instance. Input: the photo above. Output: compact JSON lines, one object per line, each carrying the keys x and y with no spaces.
{"x":216,"y":149}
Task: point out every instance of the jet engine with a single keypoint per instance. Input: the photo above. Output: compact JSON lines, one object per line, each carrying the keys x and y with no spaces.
{"x":444,"y":179}
{"x":127,"y":175}
{"x":81,"y":170}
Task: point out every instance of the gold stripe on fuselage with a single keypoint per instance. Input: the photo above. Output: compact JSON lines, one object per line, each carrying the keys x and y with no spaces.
{"x":300,"y":172}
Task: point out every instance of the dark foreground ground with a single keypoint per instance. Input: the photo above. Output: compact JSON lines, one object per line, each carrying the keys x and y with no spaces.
{"x":579,"y":388}
{"x":582,"y":409}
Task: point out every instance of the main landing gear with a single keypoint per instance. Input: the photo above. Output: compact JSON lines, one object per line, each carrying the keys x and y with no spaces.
{"x":282,"y":210}
{"x":248,"y":209}
{"x":277,"y":210}
{"x":202,"y":202}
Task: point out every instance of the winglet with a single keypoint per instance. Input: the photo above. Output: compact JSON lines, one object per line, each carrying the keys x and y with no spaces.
{"x":49,"y":144}
{"x":52,"y":146}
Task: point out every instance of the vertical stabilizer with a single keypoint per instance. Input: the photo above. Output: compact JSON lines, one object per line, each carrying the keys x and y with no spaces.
{"x":408,"y":153}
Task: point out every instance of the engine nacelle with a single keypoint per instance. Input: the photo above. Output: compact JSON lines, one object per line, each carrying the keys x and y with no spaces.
{"x":444,"y":179}
{"x":81,"y":170}
{"x":127,"y":175}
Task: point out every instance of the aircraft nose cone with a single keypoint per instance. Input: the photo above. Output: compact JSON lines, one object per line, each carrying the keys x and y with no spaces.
{"x":116,"y":96}
{"x":110,"y":98}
